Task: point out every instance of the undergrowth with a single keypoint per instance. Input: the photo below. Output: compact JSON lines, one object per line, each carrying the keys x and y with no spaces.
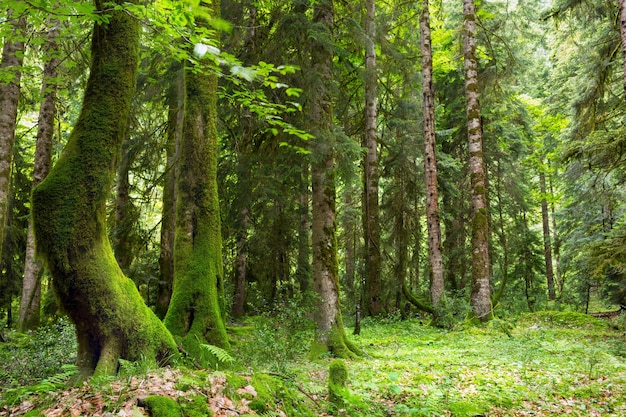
{"x":545,"y":363}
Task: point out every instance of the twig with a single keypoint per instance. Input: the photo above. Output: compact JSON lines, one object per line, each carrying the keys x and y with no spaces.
{"x":295,"y":385}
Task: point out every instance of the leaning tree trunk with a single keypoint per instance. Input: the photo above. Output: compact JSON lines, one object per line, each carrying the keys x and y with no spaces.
{"x":371,"y":221}
{"x":11,"y":64}
{"x":30,"y":304}
{"x":330,"y":335}
{"x":195,"y":314}
{"x":69,"y":215}
{"x":480,"y":292}
{"x":430,"y":163}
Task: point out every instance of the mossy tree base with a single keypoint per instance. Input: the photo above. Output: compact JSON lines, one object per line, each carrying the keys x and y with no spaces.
{"x":69,"y":215}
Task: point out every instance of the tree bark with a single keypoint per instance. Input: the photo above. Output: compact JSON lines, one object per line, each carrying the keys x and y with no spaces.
{"x":430,"y":163}
{"x":12,"y":58}
{"x":303,"y":272}
{"x":371,"y":221}
{"x":30,"y":303}
{"x":195,"y":314}
{"x":176,"y":101}
{"x":69,"y":214}
{"x":480,"y":293}
{"x":330,"y":334}
{"x":239,"y":302}
{"x":122,"y":239}
{"x":547,"y":244}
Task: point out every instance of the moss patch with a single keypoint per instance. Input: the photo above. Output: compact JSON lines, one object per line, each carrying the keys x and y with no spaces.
{"x":162,"y":406}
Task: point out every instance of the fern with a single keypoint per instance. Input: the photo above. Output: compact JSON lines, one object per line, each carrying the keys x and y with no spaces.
{"x":220,"y":354}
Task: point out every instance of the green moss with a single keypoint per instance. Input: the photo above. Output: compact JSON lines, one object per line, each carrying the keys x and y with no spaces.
{"x":162,"y":406}
{"x":195,"y":406}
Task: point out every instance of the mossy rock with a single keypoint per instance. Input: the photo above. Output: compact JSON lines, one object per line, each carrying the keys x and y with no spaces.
{"x":160,"y":406}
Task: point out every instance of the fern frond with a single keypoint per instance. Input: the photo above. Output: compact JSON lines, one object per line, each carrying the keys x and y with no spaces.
{"x":220,"y":354}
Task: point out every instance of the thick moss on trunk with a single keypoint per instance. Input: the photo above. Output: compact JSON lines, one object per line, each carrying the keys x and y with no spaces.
{"x":69,"y":216}
{"x":195,"y":313}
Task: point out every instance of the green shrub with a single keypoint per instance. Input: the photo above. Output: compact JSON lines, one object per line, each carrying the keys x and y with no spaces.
{"x":27,"y":358}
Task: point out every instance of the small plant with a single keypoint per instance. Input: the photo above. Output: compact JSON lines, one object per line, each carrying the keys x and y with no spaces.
{"x":219,"y":354}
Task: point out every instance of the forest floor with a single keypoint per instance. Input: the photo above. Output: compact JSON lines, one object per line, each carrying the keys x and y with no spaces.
{"x":539,"y":364}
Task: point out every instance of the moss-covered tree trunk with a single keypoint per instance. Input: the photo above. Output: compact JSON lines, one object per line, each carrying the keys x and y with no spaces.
{"x":69,"y":215}
{"x":195,"y":314}
{"x":30,"y":303}
{"x":481,"y":291}
{"x":547,"y":236}
{"x":330,"y":334}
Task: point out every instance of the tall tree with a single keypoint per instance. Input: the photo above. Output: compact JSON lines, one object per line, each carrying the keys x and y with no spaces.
{"x":31,"y":288}
{"x":621,"y":5}
{"x":10,"y":70}
{"x":430,"y":162}
{"x":69,"y":213}
{"x":330,"y":334}
{"x":175,"y":102}
{"x":371,"y":220}
{"x":480,"y":292}
{"x":195,"y":313}
{"x":547,"y":237}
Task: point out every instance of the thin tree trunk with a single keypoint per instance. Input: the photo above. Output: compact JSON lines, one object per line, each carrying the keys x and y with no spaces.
{"x":175,"y":99}
{"x":480,"y":294}
{"x":430,"y":163}
{"x":371,"y":222}
{"x":195,"y":313}
{"x":503,"y":240}
{"x":69,"y":215}
{"x":30,"y":303}
{"x":12,"y":57}
{"x":303,"y":272}
{"x":239,"y":302}
{"x":555,"y":240}
{"x":547,"y":244}
{"x":330,"y":334}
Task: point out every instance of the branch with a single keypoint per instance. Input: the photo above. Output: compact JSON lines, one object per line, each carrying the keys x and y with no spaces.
{"x":413,"y":299}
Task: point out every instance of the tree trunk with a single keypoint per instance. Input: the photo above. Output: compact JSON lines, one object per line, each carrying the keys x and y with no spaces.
{"x":30,"y":304}
{"x":175,"y":100}
{"x":555,"y":240}
{"x":503,"y":240}
{"x":303,"y":272}
{"x":330,"y":334}
{"x":239,"y":302}
{"x":12,"y":57}
{"x":195,"y":314}
{"x":480,"y":294}
{"x":69,"y":215}
{"x":547,"y":244}
{"x":371,"y":221}
{"x":430,"y":163}
{"x":124,"y":219}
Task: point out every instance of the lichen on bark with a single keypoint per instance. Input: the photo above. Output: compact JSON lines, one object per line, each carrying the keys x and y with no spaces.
{"x":69,"y":215}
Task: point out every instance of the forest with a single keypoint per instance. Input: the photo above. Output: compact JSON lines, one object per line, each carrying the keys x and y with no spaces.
{"x":313,"y":208}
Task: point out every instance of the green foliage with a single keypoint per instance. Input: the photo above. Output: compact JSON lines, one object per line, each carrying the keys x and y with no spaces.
{"x":160,"y":406}
{"x":28,"y":358}
{"x":220,"y":355}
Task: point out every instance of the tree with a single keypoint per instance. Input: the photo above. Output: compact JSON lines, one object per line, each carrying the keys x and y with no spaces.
{"x":195,"y":314}
{"x":330,"y":335}
{"x":621,"y":6}
{"x":69,"y":214}
{"x":371,"y":220}
{"x":175,"y":102}
{"x":10,"y":75}
{"x":430,"y":162}
{"x":30,"y":303}
{"x":480,"y":294}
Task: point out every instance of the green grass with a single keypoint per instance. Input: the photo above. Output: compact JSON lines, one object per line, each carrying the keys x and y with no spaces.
{"x":540,"y":364}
